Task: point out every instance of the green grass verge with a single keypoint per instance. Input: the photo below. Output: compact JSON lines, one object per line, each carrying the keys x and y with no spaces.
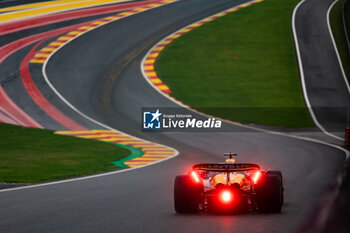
{"x":33,"y":155}
{"x":347,"y":17}
{"x":336,"y":21}
{"x":243,"y":60}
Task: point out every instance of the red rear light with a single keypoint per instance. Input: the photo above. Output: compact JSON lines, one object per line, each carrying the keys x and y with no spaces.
{"x":256,"y":177}
{"x":226,"y":196}
{"x":195,"y":177}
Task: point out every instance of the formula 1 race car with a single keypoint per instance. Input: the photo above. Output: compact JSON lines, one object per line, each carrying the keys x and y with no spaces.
{"x":228,"y":187}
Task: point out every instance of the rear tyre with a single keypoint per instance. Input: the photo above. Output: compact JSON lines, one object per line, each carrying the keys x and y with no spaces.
{"x":186,"y":195}
{"x":270,"y":192}
{"x":279,"y":174}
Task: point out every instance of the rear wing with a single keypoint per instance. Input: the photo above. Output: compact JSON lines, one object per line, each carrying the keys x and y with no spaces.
{"x":226,"y":167}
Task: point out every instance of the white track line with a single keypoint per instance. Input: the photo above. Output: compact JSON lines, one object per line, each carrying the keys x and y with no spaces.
{"x":176,"y":152}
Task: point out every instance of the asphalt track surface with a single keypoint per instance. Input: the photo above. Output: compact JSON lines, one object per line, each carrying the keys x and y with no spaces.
{"x":327,"y":90}
{"x":141,"y":200}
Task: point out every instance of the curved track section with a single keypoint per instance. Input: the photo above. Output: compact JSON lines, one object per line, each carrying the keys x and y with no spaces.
{"x":99,"y":74}
{"x":325,"y":87}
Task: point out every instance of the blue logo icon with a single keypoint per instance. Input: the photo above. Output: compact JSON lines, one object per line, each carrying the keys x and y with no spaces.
{"x":151,"y":120}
